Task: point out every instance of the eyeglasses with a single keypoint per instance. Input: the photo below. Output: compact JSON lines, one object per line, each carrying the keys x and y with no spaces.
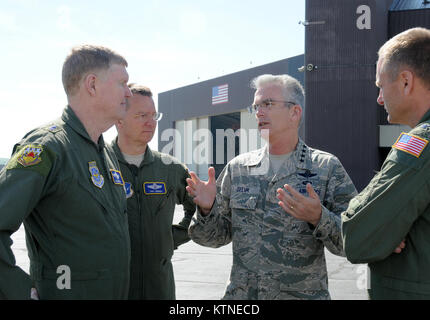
{"x":156,"y":116}
{"x":267,"y":105}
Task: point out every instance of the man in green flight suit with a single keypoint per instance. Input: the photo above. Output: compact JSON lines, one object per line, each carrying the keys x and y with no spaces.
{"x":154,"y":183}
{"x":67,"y":188}
{"x":395,"y":207}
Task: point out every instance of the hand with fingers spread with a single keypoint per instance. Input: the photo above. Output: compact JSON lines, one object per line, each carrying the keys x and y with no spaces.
{"x":304,"y":208}
{"x":203,"y":193}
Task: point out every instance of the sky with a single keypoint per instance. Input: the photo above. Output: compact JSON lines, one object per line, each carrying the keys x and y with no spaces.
{"x":168,"y":44}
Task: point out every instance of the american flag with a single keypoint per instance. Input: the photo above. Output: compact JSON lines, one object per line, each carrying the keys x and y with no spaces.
{"x":220,"y":94}
{"x":411,"y":144}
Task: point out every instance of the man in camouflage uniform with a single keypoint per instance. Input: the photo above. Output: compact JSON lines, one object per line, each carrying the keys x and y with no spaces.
{"x":278,"y":251}
{"x":395,"y":207}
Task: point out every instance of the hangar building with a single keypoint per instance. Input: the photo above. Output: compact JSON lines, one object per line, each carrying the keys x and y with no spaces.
{"x":338,"y":73}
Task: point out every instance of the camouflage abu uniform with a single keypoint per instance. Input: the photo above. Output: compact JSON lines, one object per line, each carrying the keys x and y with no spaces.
{"x":276,"y":256}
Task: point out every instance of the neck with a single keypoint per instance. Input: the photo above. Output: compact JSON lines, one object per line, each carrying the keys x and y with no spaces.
{"x":130,"y":148}
{"x":281,"y":145}
{"x":418,"y":103}
{"x":91,"y":121}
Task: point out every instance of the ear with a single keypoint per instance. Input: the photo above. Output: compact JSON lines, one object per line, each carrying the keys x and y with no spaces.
{"x":90,"y":84}
{"x":297,"y":112}
{"x":407,"y":79}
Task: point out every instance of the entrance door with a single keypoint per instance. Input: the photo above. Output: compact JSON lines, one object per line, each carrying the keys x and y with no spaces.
{"x":224,"y":129}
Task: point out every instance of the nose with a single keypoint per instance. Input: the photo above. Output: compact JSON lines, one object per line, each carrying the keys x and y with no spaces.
{"x":128,"y":92}
{"x":260,"y":112}
{"x":380,"y":98}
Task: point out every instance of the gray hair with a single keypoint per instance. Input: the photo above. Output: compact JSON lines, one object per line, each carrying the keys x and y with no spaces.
{"x":292,"y":90}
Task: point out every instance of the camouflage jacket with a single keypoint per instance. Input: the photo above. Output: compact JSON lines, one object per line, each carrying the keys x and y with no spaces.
{"x":276,"y":256}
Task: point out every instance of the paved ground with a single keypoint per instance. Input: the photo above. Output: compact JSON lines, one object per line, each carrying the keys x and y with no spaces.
{"x":202,"y":273}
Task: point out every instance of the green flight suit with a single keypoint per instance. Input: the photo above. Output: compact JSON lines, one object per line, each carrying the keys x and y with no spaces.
{"x":395,"y":206}
{"x":153,"y":190}
{"x":62,"y":186}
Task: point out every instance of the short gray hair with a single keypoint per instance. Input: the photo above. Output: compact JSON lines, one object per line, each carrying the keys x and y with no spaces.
{"x":291,"y":87}
{"x":84,"y":59}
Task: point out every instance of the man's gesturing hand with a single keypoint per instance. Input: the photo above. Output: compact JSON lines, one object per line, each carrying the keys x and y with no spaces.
{"x":304,"y":208}
{"x":202,"y":192}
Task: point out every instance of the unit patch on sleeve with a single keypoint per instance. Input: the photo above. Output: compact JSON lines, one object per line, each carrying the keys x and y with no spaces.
{"x":411,"y":144}
{"x":30,"y":155}
{"x":154,"y":188}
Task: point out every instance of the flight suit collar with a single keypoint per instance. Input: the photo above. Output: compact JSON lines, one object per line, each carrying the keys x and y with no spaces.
{"x":426,"y":117}
{"x":72,"y":120}
{"x":147,"y":159}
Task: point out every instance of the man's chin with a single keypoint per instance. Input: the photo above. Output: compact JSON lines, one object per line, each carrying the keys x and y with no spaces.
{"x":265,"y":133}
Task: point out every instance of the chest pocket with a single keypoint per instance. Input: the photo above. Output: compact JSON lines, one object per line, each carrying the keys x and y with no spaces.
{"x":244,"y":197}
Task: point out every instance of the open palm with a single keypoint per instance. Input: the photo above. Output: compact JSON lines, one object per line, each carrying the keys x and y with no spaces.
{"x":202,"y":192}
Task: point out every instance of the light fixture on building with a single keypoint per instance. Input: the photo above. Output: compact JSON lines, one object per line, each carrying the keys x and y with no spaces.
{"x":309,"y":67}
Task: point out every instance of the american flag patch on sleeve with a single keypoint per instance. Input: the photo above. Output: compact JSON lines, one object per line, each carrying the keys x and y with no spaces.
{"x":411,"y":144}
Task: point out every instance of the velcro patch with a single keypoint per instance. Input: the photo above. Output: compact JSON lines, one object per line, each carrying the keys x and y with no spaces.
{"x":154,"y":188}
{"x":117,"y":177}
{"x":411,"y":144}
{"x":30,"y":155}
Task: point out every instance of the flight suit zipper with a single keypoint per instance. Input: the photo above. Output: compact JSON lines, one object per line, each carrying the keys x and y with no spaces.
{"x":138,"y":191}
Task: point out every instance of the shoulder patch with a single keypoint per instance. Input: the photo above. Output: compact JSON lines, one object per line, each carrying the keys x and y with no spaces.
{"x":411,"y":144}
{"x":30,"y":155}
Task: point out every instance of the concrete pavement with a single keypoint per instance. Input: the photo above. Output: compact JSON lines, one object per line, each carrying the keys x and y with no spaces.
{"x":202,"y":273}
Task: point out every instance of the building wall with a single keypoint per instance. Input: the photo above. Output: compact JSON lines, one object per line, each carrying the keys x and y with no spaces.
{"x":342,"y":114}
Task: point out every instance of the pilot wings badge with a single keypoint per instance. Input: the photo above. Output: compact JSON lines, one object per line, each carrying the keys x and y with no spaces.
{"x":150,"y":188}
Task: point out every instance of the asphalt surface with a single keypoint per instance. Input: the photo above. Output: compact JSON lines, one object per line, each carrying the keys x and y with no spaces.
{"x":202,"y":273}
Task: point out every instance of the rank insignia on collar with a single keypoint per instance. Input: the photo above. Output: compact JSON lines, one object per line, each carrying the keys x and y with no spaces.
{"x":117,"y":177}
{"x":30,"y":155}
{"x":128,"y":190}
{"x":96,"y":177}
{"x":154,"y":188}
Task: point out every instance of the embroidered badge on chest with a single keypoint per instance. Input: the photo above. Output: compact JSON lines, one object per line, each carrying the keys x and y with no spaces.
{"x":96,"y":177}
{"x":117,"y":177}
{"x":128,"y":190}
{"x":150,"y":188}
{"x":30,"y":156}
